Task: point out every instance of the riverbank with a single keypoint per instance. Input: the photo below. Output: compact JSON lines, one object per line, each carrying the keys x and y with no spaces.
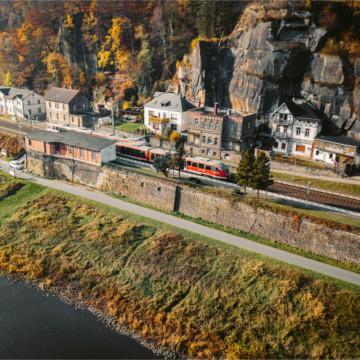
{"x":175,"y":290}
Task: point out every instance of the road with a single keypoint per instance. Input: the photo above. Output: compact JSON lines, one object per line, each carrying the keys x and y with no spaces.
{"x":227,"y":238}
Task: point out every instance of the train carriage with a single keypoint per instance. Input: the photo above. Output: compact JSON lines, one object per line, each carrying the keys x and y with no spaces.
{"x":212,"y":168}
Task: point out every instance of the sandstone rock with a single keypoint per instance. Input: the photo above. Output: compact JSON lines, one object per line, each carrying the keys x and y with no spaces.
{"x":274,"y":53}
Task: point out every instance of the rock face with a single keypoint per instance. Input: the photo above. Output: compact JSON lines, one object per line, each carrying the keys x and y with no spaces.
{"x":273,"y":54}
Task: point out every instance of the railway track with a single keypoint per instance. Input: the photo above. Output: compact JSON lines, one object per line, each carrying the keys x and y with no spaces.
{"x":293,"y":191}
{"x":14,"y":127}
{"x":317,"y":196}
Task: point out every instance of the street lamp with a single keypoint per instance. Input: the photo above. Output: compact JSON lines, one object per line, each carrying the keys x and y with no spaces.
{"x":121,"y":78}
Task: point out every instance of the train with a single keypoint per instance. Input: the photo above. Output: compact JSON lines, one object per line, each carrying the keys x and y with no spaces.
{"x":195,"y":165}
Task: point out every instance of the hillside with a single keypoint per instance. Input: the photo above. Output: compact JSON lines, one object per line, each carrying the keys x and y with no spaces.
{"x":180,"y":292}
{"x":249,"y":56}
{"x":279,"y":50}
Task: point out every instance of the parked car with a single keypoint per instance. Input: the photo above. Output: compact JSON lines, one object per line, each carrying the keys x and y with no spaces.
{"x":17,"y":164}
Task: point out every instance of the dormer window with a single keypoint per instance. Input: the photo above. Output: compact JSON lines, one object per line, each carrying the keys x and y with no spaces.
{"x":165,"y":103}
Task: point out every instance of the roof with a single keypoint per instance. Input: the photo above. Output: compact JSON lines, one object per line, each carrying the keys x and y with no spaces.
{"x":341,"y":139}
{"x":302,"y":110}
{"x":72,"y":138}
{"x":169,"y":101}
{"x":11,"y":92}
{"x":61,"y":95}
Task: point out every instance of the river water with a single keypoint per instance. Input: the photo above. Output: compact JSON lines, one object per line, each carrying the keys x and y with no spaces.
{"x":34,"y":325}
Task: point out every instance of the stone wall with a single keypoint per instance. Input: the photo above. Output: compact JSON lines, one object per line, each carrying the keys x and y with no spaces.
{"x":146,"y":189}
{"x":168,"y":195}
{"x":337,"y":244}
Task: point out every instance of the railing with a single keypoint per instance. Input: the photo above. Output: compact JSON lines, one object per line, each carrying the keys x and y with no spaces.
{"x":281,"y":135}
{"x":157,"y":120}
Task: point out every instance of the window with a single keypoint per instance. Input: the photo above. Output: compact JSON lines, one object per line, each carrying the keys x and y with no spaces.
{"x":208,"y":167}
{"x":38,"y":101}
{"x":63,"y":105}
{"x":29,"y":111}
{"x":49,"y":103}
{"x":29,"y":102}
{"x":173,"y":127}
{"x":196,"y":121}
{"x":29,"y":142}
{"x":298,"y":131}
{"x":215,"y":141}
{"x":283,"y":116}
{"x":331,"y":156}
{"x":276,"y":145}
{"x":300,"y":148}
{"x":285,"y":129}
{"x":283,"y":146}
{"x":39,"y":110}
{"x":317,"y":152}
{"x":81,"y":153}
{"x":93,"y":155}
{"x":204,"y":139}
{"x":208,"y":152}
{"x":201,"y":166}
{"x":214,"y":153}
{"x":57,"y":116}
{"x":56,"y":105}
{"x":307,"y":132}
{"x":209,"y":140}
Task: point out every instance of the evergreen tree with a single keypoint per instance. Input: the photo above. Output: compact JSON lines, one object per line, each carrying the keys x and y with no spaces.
{"x":245,"y":169}
{"x":260,"y":176}
{"x":162,"y":164}
{"x":178,"y":158}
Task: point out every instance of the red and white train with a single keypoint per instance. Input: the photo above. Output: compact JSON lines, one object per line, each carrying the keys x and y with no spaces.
{"x":140,"y":151}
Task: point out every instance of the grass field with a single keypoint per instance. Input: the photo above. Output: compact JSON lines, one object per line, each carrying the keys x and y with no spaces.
{"x":132,"y":128}
{"x":196,"y":296}
{"x":335,"y":186}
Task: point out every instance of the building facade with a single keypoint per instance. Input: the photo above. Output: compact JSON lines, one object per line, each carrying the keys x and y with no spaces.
{"x":220,"y":134}
{"x":22,"y":103}
{"x":294,"y":126}
{"x":336,"y":151}
{"x":166,"y":112}
{"x":72,"y":145}
{"x":68,"y":107}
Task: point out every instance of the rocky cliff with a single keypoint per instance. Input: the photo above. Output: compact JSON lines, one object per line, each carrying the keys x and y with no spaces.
{"x":275,"y":52}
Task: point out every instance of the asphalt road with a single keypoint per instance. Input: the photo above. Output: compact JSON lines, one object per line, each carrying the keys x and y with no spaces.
{"x":243,"y":243}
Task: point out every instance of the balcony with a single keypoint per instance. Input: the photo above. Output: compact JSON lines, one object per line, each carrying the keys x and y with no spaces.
{"x":281,"y":135}
{"x":281,"y":121}
{"x":158,"y":120}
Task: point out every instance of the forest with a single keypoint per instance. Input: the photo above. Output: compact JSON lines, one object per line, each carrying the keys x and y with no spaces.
{"x":83,"y":44}
{"x":136,"y":46}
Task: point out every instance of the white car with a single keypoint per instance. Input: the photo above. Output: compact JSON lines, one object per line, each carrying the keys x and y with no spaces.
{"x":17,"y":164}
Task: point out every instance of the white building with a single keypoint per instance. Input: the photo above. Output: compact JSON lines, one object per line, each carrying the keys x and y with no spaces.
{"x":335,"y":150}
{"x":294,"y":126}
{"x":166,"y":112}
{"x":22,"y":103}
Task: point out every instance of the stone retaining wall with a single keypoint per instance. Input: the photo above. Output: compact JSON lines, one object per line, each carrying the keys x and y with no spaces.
{"x":168,"y":195}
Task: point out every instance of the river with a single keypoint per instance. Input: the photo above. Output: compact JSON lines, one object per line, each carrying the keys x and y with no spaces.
{"x":34,"y":325}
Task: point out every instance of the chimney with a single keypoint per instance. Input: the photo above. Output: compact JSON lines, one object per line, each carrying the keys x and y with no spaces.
{"x":216,"y":107}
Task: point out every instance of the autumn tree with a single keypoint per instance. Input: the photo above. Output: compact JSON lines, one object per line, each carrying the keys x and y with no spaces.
{"x":58,"y":69}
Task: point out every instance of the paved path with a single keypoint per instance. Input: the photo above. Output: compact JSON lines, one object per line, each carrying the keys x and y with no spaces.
{"x":199,"y":229}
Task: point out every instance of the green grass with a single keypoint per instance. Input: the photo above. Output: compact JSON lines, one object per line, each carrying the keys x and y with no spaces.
{"x":27,"y":193}
{"x":193,"y":295}
{"x":335,"y":186}
{"x":132,"y":127}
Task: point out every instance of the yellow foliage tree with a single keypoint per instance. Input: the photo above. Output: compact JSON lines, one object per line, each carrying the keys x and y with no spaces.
{"x":69,"y":22}
{"x":58,"y":69}
{"x":8,"y":81}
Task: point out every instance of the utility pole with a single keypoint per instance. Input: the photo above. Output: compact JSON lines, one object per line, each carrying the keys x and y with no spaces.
{"x":113,"y":116}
